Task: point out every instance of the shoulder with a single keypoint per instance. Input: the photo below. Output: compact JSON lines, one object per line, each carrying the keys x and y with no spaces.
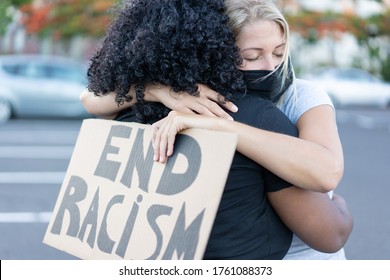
{"x":310,"y":95}
{"x":249,"y":104}
{"x":303,"y":96}
{"x":263,"y":114}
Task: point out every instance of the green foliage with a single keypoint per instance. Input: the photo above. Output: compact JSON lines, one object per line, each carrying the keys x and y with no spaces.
{"x":18,"y":3}
{"x":313,"y":26}
{"x":5,"y":16}
{"x":385,"y":69}
{"x":81,"y":17}
{"x":64,"y":19}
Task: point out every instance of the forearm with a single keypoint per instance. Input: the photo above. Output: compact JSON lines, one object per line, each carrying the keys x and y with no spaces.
{"x":103,"y":106}
{"x":319,"y":221}
{"x":298,"y":161}
{"x":327,"y":232}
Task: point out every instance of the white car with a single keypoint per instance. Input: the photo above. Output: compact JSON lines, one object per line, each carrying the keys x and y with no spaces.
{"x":41,"y":86}
{"x":352,"y":86}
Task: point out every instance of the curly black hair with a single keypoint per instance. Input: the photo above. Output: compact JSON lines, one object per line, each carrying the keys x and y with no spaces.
{"x":178,"y":43}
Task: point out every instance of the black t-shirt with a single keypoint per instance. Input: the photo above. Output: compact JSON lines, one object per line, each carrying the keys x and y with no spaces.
{"x":246,"y":226}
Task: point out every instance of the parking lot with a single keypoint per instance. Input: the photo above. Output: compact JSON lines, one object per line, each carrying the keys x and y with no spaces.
{"x":34,"y":155}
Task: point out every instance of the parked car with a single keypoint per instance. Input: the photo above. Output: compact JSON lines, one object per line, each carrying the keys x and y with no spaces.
{"x":41,"y":86}
{"x":352,"y":86}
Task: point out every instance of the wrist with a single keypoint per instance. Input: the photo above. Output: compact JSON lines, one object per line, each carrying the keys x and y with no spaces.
{"x":223,"y":124}
{"x":152,"y":92}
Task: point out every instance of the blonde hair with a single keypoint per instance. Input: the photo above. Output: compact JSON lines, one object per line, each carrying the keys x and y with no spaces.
{"x":243,"y":12}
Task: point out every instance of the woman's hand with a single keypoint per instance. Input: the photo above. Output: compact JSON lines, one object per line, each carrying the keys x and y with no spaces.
{"x":164,"y":131}
{"x":208,"y":103}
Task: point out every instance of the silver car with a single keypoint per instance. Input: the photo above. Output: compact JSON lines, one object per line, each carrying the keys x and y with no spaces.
{"x":352,"y":86}
{"x":41,"y":86}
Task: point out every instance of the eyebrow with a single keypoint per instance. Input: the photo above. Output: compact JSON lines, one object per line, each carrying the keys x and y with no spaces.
{"x":260,"y":49}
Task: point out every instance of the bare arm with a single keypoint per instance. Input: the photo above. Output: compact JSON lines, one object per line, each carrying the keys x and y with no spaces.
{"x":205,"y":104}
{"x":314,"y":163}
{"x":320,"y":222}
{"x":318,"y":127}
{"x":103,"y":106}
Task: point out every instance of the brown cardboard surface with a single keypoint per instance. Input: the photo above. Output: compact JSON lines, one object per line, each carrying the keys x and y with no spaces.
{"x":117,"y":203}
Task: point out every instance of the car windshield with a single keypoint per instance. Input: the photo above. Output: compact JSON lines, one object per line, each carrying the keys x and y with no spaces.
{"x":349,"y":74}
{"x":39,"y":70}
{"x":70,"y":73}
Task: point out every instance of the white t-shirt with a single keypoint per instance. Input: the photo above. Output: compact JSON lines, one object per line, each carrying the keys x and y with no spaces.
{"x":307,"y":95}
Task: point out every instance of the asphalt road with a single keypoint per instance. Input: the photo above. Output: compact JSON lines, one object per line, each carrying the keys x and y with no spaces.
{"x":365,"y":135}
{"x":34,"y":155}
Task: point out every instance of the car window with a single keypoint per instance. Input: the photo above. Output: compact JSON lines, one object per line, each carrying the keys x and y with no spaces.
{"x":357,"y":75}
{"x":32,"y":70}
{"x":29,"y":70}
{"x":12,"y":69}
{"x":42,"y":70}
{"x":66,"y":73}
{"x":347,"y":74}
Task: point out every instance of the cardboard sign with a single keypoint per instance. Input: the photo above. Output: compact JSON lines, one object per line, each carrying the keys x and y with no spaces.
{"x":117,"y":203}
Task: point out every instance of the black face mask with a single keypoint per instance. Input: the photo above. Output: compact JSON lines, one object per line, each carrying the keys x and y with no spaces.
{"x":269,"y":87}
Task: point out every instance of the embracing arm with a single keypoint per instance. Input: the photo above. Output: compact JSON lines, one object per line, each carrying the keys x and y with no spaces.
{"x":104,"y":106}
{"x":322,"y":223}
{"x":313,"y":162}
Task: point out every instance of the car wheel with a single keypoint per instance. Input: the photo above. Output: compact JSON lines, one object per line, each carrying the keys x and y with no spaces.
{"x":5,"y":110}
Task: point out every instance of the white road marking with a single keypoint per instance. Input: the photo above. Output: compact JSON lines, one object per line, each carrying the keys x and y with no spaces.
{"x":25,"y":217}
{"x":32,"y":177}
{"x":365,"y":121}
{"x":36,"y":152}
{"x":38,"y":136}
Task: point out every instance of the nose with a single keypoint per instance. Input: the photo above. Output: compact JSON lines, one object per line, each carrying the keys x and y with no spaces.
{"x":269,"y":63}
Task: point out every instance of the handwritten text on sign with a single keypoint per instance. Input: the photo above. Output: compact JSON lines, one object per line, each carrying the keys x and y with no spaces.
{"x":116,"y":202}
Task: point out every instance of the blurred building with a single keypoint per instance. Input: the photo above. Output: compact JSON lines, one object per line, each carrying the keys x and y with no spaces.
{"x":338,"y":49}
{"x":361,"y":8}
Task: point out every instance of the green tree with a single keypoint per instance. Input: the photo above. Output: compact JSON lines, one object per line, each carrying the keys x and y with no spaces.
{"x":313,"y":26}
{"x":5,"y":8}
{"x":65,"y":19}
